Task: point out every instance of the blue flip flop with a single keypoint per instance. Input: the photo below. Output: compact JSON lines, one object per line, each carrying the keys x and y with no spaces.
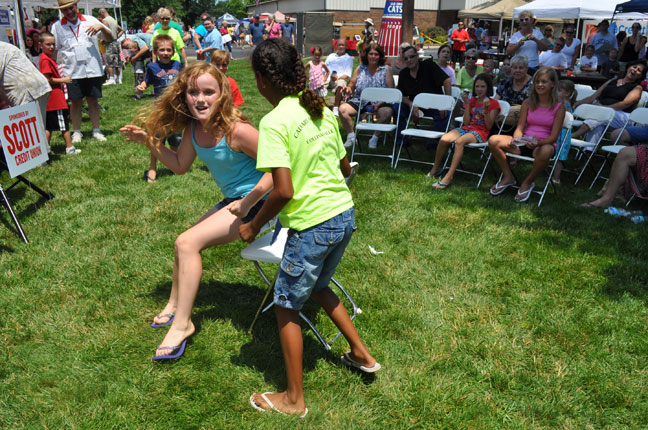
{"x":171,"y":316}
{"x":440,"y":185}
{"x":176,"y":352}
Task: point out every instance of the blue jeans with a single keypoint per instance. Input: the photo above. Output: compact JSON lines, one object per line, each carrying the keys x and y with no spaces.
{"x":310,"y":259}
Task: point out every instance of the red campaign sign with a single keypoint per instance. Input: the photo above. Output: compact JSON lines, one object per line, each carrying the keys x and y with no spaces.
{"x":390,"y":27}
{"x":23,"y":138}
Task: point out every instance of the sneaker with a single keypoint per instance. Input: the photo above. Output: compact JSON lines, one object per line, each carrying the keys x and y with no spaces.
{"x":349,"y":140}
{"x":336,"y":111}
{"x":99,"y":136}
{"x":77,"y":136}
{"x":110,"y":81}
{"x":373,"y":142}
{"x":49,"y":148}
{"x":72,"y":150}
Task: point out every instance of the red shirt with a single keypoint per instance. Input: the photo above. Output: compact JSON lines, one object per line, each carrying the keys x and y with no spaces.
{"x":459,"y":34}
{"x":48,"y":66}
{"x":477,"y":114}
{"x":237,"y":98}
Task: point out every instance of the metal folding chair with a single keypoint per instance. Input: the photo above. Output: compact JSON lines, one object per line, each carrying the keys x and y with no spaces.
{"x":505,"y":108}
{"x":637,"y":116}
{"x":426,"y":101}
{"x":582,"y":91}
{"x":390,"y":96}
{"x":567,"y":124}
{"x":269,"y":248}
{"x":598,"y":113}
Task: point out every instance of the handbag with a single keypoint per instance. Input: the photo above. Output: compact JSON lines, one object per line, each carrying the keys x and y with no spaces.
{"x":511,"y":120}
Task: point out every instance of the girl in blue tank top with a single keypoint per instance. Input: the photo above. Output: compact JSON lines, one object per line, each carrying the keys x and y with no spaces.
{"x":199,"y":105}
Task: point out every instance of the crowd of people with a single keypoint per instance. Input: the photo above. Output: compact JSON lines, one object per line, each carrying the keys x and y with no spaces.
{"x":266,"y":172}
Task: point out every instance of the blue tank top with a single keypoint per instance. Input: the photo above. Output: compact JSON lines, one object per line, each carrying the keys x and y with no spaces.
{"x":234,"y":172}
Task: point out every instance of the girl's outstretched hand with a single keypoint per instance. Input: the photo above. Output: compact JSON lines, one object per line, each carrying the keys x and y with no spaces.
{"x":134,"y":133}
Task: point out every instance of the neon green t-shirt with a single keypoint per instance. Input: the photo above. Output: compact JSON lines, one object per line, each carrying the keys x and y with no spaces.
{"x":312,"y":150}
{"x":465,"y":81}
{"x":177,"y":41}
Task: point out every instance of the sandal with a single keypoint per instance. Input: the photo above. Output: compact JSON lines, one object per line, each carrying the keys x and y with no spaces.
{"x":499,"y":188}
{"x":523,"y":196}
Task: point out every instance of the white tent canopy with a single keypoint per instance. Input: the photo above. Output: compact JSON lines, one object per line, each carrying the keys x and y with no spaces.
{"x":575,"y":9}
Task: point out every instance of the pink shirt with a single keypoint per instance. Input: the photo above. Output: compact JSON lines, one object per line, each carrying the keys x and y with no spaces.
{"x":540,"y":121}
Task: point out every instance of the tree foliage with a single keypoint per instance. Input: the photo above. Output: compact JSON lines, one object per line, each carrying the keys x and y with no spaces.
{"x":188,"y":11}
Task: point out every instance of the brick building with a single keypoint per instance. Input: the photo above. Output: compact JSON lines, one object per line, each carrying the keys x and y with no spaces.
{"x":427,"y":13}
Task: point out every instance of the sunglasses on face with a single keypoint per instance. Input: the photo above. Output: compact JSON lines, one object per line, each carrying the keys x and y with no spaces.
{"x":525,"y":19}
{"x":409,"y":57}
{"x":471,"y":58}
{"x":569,"y":32}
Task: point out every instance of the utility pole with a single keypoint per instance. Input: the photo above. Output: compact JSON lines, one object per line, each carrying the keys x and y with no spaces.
{"x":408,"y":21}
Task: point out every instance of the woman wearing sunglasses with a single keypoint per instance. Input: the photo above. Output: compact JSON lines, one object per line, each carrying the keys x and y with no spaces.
{"x":631,"y":46}
{"x":528,"y":41}
{"x":572,"y":46}
{"x":467,"y":74}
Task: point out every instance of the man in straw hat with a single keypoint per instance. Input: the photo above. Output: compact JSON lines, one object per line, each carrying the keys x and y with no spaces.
{"x":368,"y":31}
{"x":76,"y":38}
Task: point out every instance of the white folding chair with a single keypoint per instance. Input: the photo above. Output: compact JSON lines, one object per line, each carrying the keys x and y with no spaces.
{"x":582,"y":91}
{"x":390,"y":96}
{"x":567,"y":124}
{"x":598,"y":113}
{"x":426,"y":101}
{"x":643,"y":100}
{"x":269,"y":248}
{"x":637,"y":116}
{"x":580,"y":87}
{"x":505,"y":108}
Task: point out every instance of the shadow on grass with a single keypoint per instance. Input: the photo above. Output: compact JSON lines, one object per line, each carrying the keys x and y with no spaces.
{"x":238,"y":303}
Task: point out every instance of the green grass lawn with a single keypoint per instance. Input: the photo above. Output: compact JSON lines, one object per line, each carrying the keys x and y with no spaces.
{"x":485,"y":313}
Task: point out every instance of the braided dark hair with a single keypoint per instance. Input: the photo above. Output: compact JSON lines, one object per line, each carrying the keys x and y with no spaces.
{"x":280,"y":63}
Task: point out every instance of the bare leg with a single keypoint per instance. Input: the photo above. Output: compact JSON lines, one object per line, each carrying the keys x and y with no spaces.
{"x":499,"y":145}
{"x":384,"y":115}
{"x":67,"y":137}
{"x":346,"y":115}
{"x":93,"y":110}
{"x":580,"y":132}
{"x":340,"y":317}
{"x":457,"y":156}
{"x":444,"y":143}
{"x":214,"y":228}
{"x":290,"y":401}
{"x":541,"y":156}
{"x":75,"y":113}
{"x":152,"y":171}
{"x":557,"y":171}
{"x":110,"y":72}
{"x":626,"y":159}
{"x":338,"y":96}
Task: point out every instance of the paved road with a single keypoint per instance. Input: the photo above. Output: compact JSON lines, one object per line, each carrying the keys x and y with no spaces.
{"x":237,"y":52}
{"x":240,"y":54}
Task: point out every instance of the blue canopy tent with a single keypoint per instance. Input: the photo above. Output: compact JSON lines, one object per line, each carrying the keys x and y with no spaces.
{"x":632,"y":6}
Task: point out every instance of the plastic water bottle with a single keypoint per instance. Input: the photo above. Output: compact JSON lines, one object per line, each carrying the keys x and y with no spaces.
{"x":578,"y":68}
{"x":638,"y":219}
{"x":616,"y":212}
